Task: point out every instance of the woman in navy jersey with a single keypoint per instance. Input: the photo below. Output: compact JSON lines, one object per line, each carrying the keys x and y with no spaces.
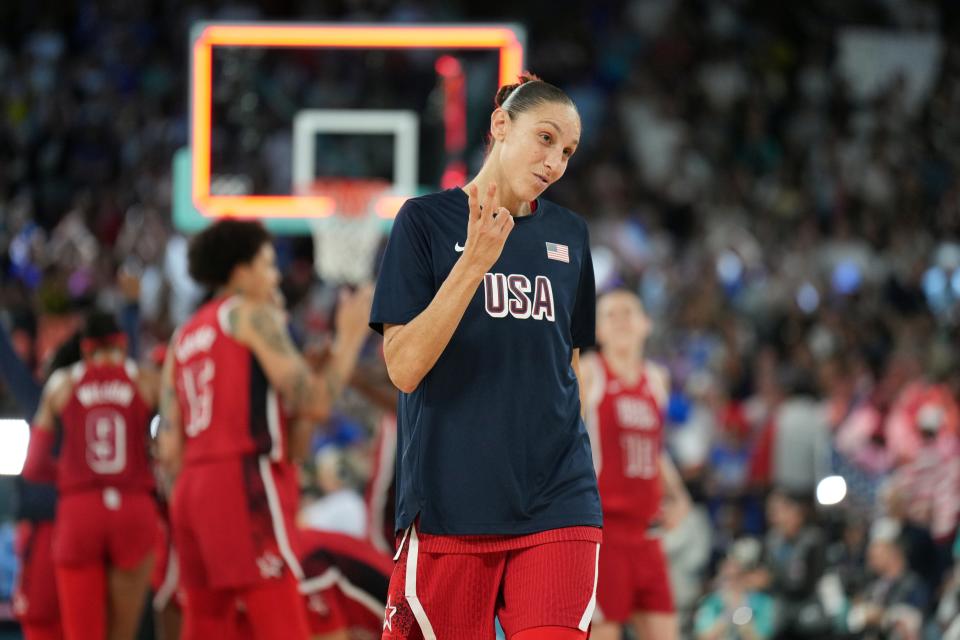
{"x":485,"y":298}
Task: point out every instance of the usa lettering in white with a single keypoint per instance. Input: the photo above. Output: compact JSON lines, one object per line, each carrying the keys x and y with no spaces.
{"x":199,"y":340}
{"x":115,"y":392}
{"x":505,"y":295}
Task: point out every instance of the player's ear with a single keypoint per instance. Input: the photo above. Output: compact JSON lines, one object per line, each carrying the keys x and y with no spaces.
{"x":499,"y":122}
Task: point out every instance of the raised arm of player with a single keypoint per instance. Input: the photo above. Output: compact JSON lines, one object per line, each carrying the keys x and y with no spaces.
{"x":412,"y":349}
{"x":307,"y":393}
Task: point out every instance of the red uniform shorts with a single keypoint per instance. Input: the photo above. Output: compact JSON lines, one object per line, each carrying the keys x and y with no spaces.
{"x":105,"y":525}
{"x":457,"y":595}
{"x":633,"y":578}
{"x":230,"y":527}
{"x":35,"y":593}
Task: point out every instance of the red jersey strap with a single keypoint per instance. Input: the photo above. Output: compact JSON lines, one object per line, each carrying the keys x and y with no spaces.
{"x":432,"y":543}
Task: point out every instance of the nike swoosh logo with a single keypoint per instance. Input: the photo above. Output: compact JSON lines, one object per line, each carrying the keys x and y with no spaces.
{"x":458,"y":248}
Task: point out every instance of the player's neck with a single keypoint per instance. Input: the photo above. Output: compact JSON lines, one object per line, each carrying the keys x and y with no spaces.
{"x":513,"y":204}
{"x":627,"y":364}
{"x":229,"y":290}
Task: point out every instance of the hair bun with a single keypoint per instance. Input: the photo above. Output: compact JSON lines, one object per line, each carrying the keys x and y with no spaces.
{"x":507,"y":89}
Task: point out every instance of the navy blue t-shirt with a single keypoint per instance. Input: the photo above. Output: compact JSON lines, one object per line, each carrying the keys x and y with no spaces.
{"x":491,"y":441}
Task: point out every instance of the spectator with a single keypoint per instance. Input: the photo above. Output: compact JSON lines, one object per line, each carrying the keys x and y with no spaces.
{"x":892,"y":606}
{"x":735,"y":610}
{"x":794,"y":561}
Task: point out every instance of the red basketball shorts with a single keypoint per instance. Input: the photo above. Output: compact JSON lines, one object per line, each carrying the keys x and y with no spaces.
{"x":457,"y":595}
{"x":35,"y":593}
{"x":231,"y":528}
{"x":633,"y":578}
{"x":105,"y":524}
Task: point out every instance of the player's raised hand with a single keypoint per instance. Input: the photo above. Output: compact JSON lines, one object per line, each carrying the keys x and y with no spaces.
{"x":488,"y":227}
{"x":353,"y":314}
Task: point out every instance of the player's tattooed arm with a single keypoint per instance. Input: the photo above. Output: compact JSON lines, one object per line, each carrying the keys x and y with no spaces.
{"x":297,"y":388}
{"x":261,"y":327}
{"x":265,"y":321}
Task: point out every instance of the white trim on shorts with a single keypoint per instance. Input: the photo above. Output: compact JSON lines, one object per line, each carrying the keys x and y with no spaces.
{"x":318,"y":583}
{"x":588,"y":612}
{"x":333,"y":576}
{"x":276,"y":518}
{"x":406,"y":532}
{"x":410,"y":590}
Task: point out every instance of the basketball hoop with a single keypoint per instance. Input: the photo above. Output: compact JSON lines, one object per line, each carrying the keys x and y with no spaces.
{"x":345,"y":243}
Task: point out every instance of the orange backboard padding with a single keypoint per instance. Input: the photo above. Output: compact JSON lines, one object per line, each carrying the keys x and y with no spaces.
{"x":503,"y":39}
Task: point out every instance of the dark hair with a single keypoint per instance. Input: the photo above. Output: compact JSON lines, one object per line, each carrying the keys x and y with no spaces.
{"x":215,"y":251}
{"x":67,"y":353}
{"x":530,"y":92}
{"x":99,"y":324}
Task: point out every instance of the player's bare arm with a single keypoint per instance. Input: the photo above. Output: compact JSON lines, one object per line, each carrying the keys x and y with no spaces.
{"x":412,"y":349}
{"x":307,"y":393}
{"x":170,"y":435}
{"x":55,"y":395}
{"x":673,"y":487}
{"x":148,"y":384}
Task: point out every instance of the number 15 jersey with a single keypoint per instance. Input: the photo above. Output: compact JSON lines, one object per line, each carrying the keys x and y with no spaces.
{"x":227,"y":407}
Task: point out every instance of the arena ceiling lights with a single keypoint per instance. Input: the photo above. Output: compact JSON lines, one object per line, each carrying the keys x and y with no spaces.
{"x":506,"y":39}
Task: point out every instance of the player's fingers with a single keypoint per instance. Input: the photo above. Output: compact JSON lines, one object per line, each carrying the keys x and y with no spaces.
{"x":501,"y":216}
{"x":490,"y":203}
{"x":504,"y":220}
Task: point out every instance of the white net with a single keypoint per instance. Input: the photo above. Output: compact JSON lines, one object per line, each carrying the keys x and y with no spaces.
{"x":345,"y":248}
{"x":345,"y":244}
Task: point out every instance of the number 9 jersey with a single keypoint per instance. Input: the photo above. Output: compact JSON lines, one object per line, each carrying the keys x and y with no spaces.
{"x":105,"y":431}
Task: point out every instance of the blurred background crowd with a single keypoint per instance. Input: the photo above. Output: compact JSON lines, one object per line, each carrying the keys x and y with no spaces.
{"x":779,"y":183}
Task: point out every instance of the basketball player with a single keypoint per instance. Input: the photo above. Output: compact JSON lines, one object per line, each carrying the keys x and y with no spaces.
{"x":106,"y":521}
{"x":625,"y":399}
{"x":485,"y":298}
{"x":231,"y":376}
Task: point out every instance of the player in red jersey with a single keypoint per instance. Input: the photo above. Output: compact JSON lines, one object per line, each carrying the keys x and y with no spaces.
{"x":106,"y":521}
{"x":625,"y":397}
{"x":231,"y":376}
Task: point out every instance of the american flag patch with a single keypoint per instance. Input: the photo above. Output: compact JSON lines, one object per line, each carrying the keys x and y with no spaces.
{"x":558,"y":252}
